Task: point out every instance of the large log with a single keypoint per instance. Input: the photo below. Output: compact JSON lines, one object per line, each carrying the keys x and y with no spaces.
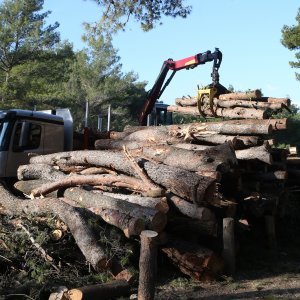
{"x":104,"y":291}
{"x":78,"y":226}
{"x":234,"y":113}
{"x":183,"y":183}
{"x":193,"y":187}
{"x":147,"y":265}
{"x":154,"y":219}
{"x":231,"y":127}
{"x":241,"y":95}
{"x":193,"y":260}
{"x":219,"y":158}
{"x":261,"y":153}
{"x":121,"y":181}
{"x":232,"y":103}
{"x":39,"y":171}
{"x":159,"y":204}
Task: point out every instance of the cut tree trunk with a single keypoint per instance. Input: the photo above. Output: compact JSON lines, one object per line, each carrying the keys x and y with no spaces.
{"x":154,"y":220}
{"x":121,"y":181}
{"x":39,"y":171}
{"x":193,"y":260}
{"x":285,"y":101}
{"x":77,"y":224}
{"x":159,"y":204}
{"x":231,"y":127}
{"x":261,"y":153}
{"x":242,"y":96}
{"x":147,"y":265}
{"x":234,"y":113}
{"x":198,"y":189}
{"x":104,"y":291}
{"x":219,"y":158}
{"x":233,"y":103}
{"x":27,"y":186}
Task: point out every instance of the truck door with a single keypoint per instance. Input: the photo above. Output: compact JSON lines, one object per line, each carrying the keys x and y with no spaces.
{"x":27,"y":138}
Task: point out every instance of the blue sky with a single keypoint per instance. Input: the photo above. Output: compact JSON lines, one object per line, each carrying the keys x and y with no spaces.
{"x":248,"y":33}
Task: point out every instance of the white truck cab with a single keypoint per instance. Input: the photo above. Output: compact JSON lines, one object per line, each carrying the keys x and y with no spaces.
{"x":23,"y":132}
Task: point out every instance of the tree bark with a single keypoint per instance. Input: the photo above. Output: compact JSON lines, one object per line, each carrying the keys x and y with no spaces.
{"x":257,"y":104}
{"x":147,"y":265}
{"x":219,"y":158}
{"x":180,"y":182}
{"x":234,"y":113}
{"x":154,"y":220}
{"x":122,"y":181}
{"x":104,"y":291}
{"x":261,"y":153}
{"x":159,"y":204}
{"x":39,"y":171}
{"x":241,"y":96}
{"x":185,"y":184}
{"x":193,"y":260}
{"x":285,"y":101}
{"x":77,"y":224}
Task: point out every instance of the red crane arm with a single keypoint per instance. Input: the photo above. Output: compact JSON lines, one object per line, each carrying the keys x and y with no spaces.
{"x":185,"y":63}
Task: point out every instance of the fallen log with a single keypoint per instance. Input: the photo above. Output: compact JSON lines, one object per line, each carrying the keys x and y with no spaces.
{"x":105,"y":291}
{"x":147,"y":265}
{"x":193,"y":260}
{"x":234,"y":113}
{"x":232,"y":103}
{"x":39,"y":171}
{"x":231,"y":127}
{"x":261,"y":153}
{"x":285,"y":101}
{"x":27,"y":186}
{"x":240,"y":95}
{"x":154,"y":220}
{"x":159,"y":204}
{"x":122,"y":181}
{"x":180,"y":182}
{"x":78,"y":226}
{"x":219,"y":158}
{"x":188,"y":185}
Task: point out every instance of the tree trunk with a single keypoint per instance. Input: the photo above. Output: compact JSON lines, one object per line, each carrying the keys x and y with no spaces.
{"x":185,"y":184}
{"x":180,"y":182}
{"x":241,"y":96}
{"x":159,"y":204}
{"x":218,"y":158}
{"x":77,"y":224}
{"x":104,"y":291}
{"x":261,"y":153}
{"x":39,"y":171}
{"x":154,"y":219}
{"x":121,"y":181}
{"x":193,"y":260}
{"x":147,"y":265}
{"x":233,"y":103}
{"x":234,"y":113}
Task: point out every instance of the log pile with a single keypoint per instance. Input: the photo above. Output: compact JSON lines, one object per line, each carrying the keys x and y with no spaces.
{"x":249,"y":105}
{"x":181,"y":183}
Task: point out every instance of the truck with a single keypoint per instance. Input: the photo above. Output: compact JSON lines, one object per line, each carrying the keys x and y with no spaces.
{"x":24,"y":133}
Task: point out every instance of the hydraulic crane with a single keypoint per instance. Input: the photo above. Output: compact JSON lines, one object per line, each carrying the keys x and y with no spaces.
{"x":191,"y":62}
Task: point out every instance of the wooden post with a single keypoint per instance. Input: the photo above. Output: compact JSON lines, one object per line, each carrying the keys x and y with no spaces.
{"x":271,"y":234}
{"x":229,"y":245}
{"x":147,"y":265}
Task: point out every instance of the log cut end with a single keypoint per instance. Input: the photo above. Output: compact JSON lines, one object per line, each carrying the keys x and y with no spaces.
{"x":158,"y":222}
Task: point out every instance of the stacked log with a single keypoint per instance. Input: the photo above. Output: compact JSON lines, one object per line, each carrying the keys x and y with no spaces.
{"x":248,"y":105}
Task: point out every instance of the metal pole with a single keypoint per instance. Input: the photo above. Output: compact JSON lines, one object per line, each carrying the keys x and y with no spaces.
{"x":100,"y":120}
{"x":86,"y":113}
{"x":108,"y":117}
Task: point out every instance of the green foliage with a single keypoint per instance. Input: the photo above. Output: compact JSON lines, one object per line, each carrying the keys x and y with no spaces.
{"x":96,"y":78}
{"x":291,"y":40}
{"x":147,"y":12}
{"x":33,"y":65}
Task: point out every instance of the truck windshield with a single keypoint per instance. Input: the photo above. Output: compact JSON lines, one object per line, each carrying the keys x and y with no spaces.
{"x":3,"y":129}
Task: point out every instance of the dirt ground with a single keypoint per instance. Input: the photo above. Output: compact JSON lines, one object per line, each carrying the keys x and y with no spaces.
{"x":261,"y":272}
